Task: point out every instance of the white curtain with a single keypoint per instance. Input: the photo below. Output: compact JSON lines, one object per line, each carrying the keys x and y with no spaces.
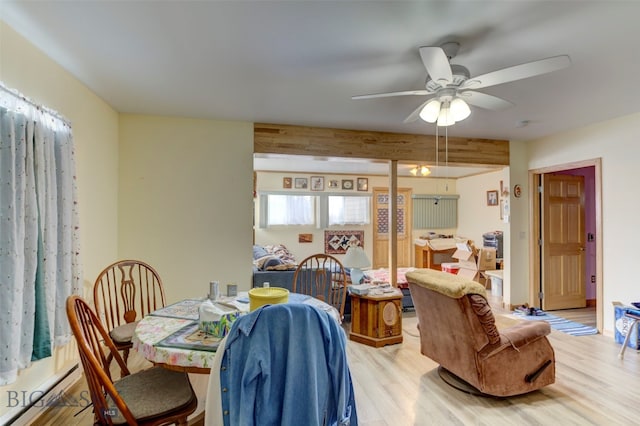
{"x":39,"y":237}
{"x":290,"y":209}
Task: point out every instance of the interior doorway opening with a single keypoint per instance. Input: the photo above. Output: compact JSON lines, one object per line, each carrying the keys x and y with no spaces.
{"x":542,"y":224}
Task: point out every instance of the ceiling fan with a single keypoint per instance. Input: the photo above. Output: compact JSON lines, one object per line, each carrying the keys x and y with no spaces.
{"x":452,"y":89}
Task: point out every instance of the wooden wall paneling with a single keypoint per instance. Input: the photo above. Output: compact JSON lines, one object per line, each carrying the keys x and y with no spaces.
{"x":327,"y":142}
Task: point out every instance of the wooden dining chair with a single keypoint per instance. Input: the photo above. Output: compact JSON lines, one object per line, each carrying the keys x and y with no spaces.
{"x":323,"y":277}
{"x":149,"y":397}
{"x":123,"y":293}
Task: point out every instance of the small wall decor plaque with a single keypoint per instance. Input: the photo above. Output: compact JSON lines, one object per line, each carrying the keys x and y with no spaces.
{"x":305,"y":238}
{"x":517,"y":191}
{"x":301,"y":183}
{"x":492,"y":198}
{"x":363,"y":184}
{"x":317,"y":183}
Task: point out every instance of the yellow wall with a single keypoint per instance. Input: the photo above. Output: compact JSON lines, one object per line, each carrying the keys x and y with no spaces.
{"x":477,"y":218}
{"x":185,"y":202}
{"x":95,"y":132}
{"x":616,"y":143}
{"x":516,"y":282}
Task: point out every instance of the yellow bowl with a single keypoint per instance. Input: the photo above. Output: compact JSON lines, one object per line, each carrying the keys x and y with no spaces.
{"x":261,"y":296}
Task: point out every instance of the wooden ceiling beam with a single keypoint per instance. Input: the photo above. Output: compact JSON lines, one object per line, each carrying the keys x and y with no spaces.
{"x":327,"y":142}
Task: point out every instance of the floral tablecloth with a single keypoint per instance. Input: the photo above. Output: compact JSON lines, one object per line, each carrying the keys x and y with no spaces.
{"x":152,"y":329}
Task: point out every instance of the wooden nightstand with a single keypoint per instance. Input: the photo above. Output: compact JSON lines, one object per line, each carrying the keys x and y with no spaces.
{"x":376,"y":320}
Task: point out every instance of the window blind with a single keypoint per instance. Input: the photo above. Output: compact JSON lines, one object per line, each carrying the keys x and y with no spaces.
{"x":432,"y":211}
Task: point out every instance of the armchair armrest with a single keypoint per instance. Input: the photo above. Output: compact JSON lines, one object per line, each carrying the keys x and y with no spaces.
{"x":518,"y":336}
{"x":526,"y":332}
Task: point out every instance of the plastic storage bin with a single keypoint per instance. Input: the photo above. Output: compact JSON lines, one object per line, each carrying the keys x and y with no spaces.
{"x":451,"y":268}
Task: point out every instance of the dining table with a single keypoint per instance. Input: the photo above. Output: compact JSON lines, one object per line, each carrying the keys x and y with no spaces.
{"x":170,"y":337}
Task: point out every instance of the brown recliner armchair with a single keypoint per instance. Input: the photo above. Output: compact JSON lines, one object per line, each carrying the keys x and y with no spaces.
{"x":458,"y":331}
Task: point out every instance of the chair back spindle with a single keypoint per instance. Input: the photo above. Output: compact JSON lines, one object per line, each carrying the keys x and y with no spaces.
{"x":126,"y":291}
{"x":323,"y":277}
{"x":123,"y":293}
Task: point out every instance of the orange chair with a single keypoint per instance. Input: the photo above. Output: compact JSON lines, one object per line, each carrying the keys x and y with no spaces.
{"x":323,"y":277}
{"x":154,"y":396}
{"x":123,"y":293}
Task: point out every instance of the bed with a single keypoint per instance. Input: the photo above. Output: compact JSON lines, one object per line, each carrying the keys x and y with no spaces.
{"x":382,"y":275}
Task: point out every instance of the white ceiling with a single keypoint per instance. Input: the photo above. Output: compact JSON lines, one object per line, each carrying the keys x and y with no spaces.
{"x":355,"y":166}
{"x":299,"y":62}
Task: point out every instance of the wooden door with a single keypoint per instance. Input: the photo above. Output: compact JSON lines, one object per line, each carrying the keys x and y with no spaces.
{"x":381,"y":228}
{"x":563,"y":242}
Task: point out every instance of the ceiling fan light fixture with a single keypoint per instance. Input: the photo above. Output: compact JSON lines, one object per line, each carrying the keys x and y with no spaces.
{"x":459,"y":109}
{"x":423,"y":170}
{"x":450,"y":83}
{"x":431,"y":111}
{"x":445,"y":118}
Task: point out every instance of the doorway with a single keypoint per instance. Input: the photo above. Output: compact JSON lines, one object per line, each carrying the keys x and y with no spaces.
{"x":557,"y":248}
{"x":381,"y":228}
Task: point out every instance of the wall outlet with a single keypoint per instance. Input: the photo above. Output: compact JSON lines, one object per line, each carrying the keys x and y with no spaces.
{"x":593,"y":278}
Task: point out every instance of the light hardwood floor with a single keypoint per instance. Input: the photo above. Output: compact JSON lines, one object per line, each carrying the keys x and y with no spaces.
{"x":396,"y":385}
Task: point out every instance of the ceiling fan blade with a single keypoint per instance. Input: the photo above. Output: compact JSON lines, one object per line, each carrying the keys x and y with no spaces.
{"x":437,"y":64}
{"x":518,"y":72}
{"x":416,"y":112}
{"x":485,"y":101}
{"x":389,"y":94}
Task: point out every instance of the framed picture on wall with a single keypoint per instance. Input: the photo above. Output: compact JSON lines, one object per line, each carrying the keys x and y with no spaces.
{"x":301,"y":183}
{"x":305,"y":238}
{"x":347,"y":183}
{"x":317,"y":183}
{"x":286,"y":182}
{"x":492,"y":198}
{"x":333,"y":183}
{"x":363,"y":184}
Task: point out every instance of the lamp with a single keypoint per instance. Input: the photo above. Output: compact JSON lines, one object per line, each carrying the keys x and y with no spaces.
{"x":356,"y":258}
{"x":424,"y":171}
{"x":446,"y":110}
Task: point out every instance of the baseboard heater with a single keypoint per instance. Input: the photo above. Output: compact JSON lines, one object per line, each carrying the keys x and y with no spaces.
{"x":17,"y":419}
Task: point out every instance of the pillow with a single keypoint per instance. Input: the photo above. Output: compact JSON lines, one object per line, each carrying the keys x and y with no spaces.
{"x":259,"y":251}
{"x":259,"y":263}
{"x":272,"y":262}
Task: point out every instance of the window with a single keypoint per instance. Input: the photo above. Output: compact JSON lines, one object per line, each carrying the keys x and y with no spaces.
{"x":320,"y":210}
{"x":288,"y":209}
{"x":349,"y":210}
